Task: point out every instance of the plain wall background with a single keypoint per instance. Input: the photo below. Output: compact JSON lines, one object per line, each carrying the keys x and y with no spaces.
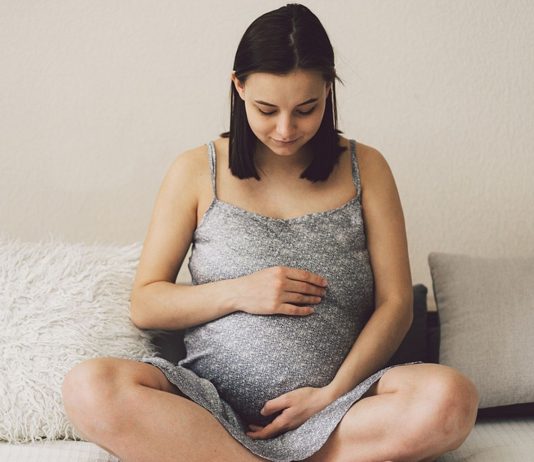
{"x":97,"y":98}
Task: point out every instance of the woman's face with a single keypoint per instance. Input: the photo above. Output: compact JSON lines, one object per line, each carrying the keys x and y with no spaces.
{"x":287,"y":108}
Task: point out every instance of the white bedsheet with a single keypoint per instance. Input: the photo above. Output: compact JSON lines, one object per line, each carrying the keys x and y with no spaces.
{"x":55,"y":451}
{"x":510,"y":440}
{"x":503,"y":440}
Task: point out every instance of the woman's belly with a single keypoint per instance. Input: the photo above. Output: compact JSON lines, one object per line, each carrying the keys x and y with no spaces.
{"x":255,"y":358}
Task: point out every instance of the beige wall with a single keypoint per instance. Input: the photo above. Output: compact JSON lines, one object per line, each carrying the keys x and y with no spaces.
{"x":98,"y":97}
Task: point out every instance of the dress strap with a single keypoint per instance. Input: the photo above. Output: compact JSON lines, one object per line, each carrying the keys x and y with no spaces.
{"x":213,"y":166}
{"x":355,"y":168}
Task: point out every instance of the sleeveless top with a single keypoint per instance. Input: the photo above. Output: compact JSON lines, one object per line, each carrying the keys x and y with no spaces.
{"x":254,"y":358}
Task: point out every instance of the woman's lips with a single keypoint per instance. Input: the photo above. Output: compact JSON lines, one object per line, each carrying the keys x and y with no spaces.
{"x":285,"y":142}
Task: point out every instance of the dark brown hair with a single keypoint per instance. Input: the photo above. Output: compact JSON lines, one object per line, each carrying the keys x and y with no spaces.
{"x":280,"y":42}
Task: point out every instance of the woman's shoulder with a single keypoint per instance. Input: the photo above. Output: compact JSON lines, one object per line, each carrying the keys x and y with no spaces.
{"x":192,"y":160}
{"x":376,"y":175}
{"x":372,"y":164}
{"x":367,"y":155}
{"x":188,"y":170}
{"x":195,"y":161}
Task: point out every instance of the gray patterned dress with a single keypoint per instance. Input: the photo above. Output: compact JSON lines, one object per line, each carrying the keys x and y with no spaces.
{"x":235,"y":363}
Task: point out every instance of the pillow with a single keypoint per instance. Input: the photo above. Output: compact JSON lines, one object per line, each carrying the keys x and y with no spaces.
{"x":413,"y":347}
{"x":60,"y":304}
{"x":486,"y":311}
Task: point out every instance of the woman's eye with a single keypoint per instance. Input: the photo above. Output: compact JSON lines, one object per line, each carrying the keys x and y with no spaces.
{"x":299,"y":112}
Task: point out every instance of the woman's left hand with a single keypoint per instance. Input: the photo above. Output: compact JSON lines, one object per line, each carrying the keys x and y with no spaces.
{"x":298,"y":406}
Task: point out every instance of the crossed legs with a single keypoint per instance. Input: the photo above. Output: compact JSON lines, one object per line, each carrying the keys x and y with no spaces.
{"x":413,"y":413}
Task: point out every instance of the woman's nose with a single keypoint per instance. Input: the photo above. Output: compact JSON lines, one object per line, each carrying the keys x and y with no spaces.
{"x":285,"y":128}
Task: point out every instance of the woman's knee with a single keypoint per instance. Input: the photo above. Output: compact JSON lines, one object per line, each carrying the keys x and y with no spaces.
{"x":88,"y":380}
{"x":91,"y":391}
{"x":445,"y":408}
{"x":459,"y":405}
{"x":456,"y":397}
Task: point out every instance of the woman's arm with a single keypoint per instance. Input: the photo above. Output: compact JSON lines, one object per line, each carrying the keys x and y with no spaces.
{"x":156,"y":301}
{"x":388,"y":252}
{"x":171,"y":306}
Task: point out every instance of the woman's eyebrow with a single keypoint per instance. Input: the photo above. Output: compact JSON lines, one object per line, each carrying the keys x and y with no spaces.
{"x":308,"y":101}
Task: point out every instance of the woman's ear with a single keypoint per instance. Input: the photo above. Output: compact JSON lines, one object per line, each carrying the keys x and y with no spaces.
{"x":238,"y":85}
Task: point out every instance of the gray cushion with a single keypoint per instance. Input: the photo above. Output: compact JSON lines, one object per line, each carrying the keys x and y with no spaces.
{"x":486,"y":310}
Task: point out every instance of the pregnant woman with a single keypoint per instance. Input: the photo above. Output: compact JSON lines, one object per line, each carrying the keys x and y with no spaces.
{"x":301,"y":290}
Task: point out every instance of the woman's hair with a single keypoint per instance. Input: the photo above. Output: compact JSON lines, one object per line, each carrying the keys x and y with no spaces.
{"x":280,"y":42}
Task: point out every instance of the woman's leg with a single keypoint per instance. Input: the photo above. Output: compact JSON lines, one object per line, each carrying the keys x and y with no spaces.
{"x":414,"y":413}
{"x":130,"y":409}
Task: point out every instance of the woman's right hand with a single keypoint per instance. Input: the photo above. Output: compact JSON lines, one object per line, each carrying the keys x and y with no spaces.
{"x":278,"y":290}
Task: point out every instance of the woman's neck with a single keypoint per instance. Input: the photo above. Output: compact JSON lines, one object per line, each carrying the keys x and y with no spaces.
{"x":271,"y":164}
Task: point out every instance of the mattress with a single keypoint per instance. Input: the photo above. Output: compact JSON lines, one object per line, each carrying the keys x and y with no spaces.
{"x":55,"y":451}
{"x":497,"y":440}
{"x":492,"y":440}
